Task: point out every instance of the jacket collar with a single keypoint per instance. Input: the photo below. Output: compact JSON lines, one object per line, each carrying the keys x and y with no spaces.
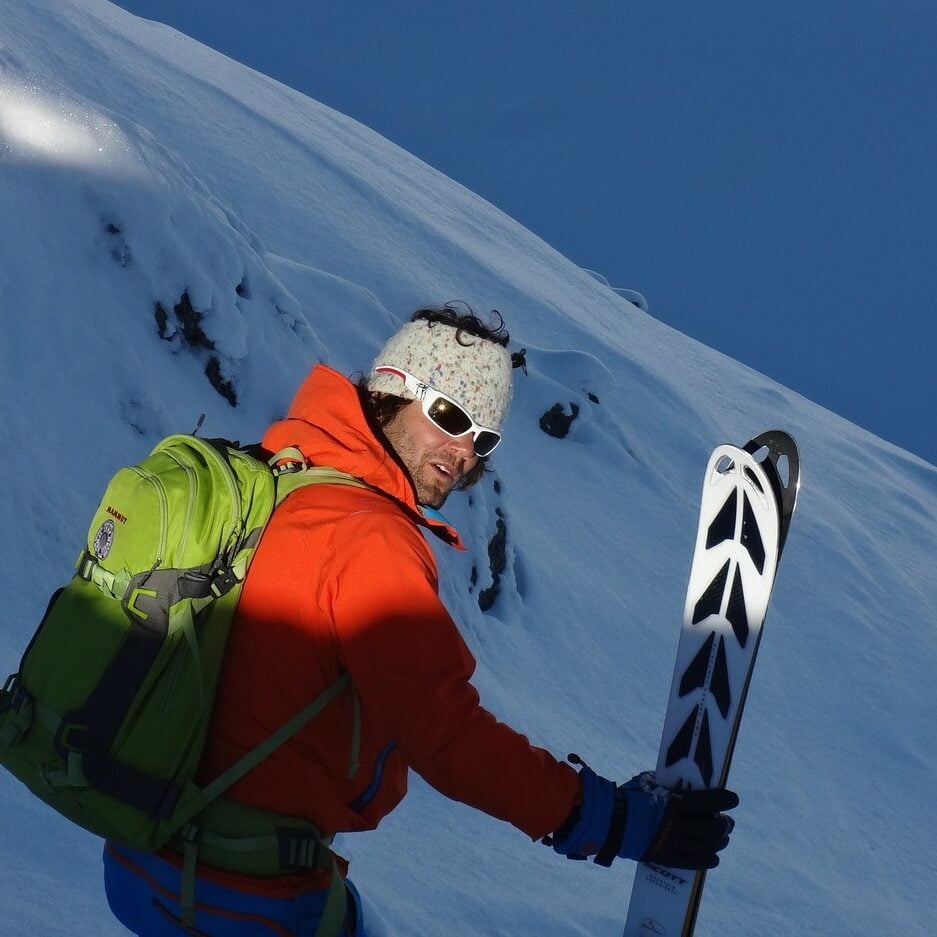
{"x":327,"y":424}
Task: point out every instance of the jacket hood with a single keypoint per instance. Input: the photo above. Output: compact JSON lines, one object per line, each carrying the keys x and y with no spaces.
{"x":327,"y":424}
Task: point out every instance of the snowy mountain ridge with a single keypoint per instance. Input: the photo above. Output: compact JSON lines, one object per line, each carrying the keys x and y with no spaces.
{"x":183,"y":235}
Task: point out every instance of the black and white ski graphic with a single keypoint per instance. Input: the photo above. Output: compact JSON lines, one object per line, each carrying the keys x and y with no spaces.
{"x":748,"y":500}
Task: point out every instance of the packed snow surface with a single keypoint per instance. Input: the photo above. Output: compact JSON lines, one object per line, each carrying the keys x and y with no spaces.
{"x":182,"y":235}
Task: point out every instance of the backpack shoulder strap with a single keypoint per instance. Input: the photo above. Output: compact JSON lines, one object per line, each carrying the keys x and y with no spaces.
{"x":292,"y":471}
{"x":199,"y":799}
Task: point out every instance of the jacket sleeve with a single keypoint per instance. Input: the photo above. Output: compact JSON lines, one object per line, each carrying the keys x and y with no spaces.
{"x":411,"y":669}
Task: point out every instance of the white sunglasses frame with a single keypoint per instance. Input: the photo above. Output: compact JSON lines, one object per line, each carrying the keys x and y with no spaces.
{"x":427,"y":395}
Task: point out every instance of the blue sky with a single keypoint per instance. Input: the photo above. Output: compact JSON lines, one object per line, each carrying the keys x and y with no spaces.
{"x":763,"y":172}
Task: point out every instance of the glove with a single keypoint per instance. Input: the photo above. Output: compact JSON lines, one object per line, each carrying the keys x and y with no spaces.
{"x":641,"y":820}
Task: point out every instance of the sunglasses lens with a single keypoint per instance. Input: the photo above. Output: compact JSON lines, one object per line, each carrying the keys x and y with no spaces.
{"x":486,"y":443}
{"x":448,"y":417}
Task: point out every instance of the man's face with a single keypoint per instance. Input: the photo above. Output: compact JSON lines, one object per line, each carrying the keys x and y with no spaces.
{"x":434,"y":460}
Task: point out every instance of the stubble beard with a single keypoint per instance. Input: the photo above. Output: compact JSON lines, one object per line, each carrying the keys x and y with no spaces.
{"x":432,"y":491}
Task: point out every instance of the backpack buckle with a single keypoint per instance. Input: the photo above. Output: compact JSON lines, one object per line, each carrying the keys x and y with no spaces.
{"x":299,"y":849}
{"x":85,"y":564}
{"x":224,"y":581}
{"x":288,"y":468}
{"x":7,"y":691}
{"x":20,"y":703}
{"x":190,"y":834}
{"x":20,"y":698}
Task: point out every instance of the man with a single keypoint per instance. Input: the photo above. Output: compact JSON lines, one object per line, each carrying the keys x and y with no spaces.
{"x":344,"y":582}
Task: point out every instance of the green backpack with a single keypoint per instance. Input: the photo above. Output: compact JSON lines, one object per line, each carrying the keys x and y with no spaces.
{"x":106,"y":718}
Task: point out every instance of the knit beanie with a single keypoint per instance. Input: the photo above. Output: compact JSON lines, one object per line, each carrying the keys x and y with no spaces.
{"x":474,"y":372}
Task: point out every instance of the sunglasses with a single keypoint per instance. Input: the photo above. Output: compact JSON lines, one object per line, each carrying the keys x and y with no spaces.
{"x":442,"y":411}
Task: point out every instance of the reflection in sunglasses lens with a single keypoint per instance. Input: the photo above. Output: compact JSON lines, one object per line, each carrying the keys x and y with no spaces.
{"x":449,"y":417}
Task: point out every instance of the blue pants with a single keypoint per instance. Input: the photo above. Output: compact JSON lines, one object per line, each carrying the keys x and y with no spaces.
{"x":143,"y":893}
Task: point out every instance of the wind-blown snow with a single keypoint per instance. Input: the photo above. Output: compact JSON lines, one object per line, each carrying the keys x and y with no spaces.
{"x":138,"y":167}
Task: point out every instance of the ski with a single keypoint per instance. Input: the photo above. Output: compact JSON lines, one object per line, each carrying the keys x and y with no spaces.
{"x":748,"y":500}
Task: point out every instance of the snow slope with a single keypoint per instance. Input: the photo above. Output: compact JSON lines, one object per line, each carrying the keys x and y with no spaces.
{"x":139,"y":168}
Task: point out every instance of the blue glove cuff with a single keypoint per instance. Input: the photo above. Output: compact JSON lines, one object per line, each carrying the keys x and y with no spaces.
{"x":589,"y":831}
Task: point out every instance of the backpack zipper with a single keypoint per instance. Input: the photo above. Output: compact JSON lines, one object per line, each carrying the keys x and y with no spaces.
{"x":234,"y":498}
{"x":163,"y":512}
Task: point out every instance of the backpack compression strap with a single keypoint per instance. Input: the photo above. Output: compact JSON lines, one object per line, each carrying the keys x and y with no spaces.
{"x":292,"y":471}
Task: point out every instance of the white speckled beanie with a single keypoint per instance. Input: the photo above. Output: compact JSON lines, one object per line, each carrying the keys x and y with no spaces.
{"x":473,"y":371}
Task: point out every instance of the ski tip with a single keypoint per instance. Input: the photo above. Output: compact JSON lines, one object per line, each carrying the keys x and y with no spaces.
{"x":775,"y":441}
{"x":778,"y":449}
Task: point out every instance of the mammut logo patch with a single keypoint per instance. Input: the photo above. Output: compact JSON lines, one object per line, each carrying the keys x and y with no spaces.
{"x":103,"y":540}
{"x":115,"y":513}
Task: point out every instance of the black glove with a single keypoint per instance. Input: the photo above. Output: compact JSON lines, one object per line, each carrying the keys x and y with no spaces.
{"x":693,"y":829}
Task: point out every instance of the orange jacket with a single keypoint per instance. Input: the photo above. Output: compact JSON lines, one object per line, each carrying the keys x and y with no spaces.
{"x":343,"y":580}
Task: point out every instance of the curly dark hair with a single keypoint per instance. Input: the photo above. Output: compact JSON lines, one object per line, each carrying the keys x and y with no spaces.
{"x":380,"y":408}
{"x":460,"y":316}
